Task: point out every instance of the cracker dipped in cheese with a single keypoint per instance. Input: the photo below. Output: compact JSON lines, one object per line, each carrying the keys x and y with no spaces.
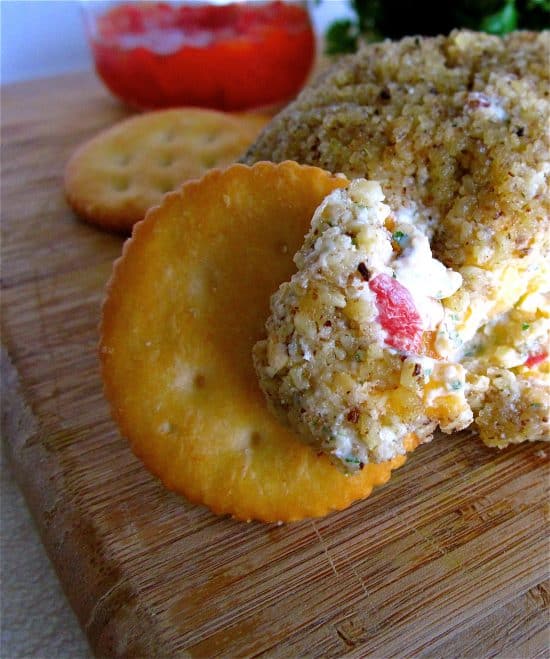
{"x":185,"y":305}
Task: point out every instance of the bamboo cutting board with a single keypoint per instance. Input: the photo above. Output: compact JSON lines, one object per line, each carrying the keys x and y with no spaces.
{"x":448,"y":559}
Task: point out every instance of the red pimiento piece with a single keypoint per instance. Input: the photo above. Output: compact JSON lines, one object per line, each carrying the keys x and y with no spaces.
{"x":397,"y":314}
{"x":227,"y":57}
{"x":536,"y":358}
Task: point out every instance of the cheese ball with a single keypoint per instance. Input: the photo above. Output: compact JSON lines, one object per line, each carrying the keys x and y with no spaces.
{"x":455,"y":128}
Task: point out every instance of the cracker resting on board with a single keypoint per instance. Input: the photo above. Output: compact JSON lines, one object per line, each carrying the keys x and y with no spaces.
{"x":114,"y":178}
{"x":187,"y":301}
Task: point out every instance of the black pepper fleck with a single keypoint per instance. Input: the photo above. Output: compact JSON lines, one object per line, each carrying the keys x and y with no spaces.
{"x":363,"y":271}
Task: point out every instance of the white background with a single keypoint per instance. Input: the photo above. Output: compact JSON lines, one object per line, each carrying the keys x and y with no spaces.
{"x":45,"y":37}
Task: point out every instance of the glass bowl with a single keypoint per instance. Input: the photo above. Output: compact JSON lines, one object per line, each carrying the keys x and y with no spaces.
{"x":231,"y":56}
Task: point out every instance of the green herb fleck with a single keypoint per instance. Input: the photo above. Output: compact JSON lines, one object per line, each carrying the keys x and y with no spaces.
{"x":456,"y":385}
{"x":353,"y":460}
{"x":525,"y":326}
{"x":399,"y":237}
{"x":358,"y":356}
{"x":536,"y":405}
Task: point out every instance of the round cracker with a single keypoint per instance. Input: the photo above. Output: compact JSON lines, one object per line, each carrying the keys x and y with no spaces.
{"x":114,"y":178}
{"x":186,"y":303}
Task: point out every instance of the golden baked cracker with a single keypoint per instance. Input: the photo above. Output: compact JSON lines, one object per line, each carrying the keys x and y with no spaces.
{"x":186,"y":303}
{"x":114,"y":178}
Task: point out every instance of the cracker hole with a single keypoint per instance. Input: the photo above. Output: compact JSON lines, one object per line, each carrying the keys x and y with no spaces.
{"x":123,"y":159}
{"x":166,"y":160}
{"x":199,"y":381}
{"x":209,"y":161}
{"x":281,"y":248}
{"x":120,"y":184}
{"x":255,"y":439}
{"x":168,"y":136}
{"x":165,"y":186}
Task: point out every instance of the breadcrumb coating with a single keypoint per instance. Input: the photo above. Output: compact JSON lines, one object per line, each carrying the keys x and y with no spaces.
{"x":456,"y":130}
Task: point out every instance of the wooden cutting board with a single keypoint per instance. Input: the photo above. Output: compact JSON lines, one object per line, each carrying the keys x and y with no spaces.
{"x":448,"y":559}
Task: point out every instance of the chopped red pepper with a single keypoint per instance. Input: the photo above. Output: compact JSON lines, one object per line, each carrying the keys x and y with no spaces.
{"x":535,"y":358}
{"x":397,"y":314}
{"x":228,"y":57}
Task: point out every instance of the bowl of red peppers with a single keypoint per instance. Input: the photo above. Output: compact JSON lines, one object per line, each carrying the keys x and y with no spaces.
{"x":232,"y":56}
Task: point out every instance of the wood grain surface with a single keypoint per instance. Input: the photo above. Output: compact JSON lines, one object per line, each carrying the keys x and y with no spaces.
{"x":447,"y":560}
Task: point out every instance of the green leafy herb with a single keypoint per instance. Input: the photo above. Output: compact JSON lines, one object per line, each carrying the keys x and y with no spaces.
{"x":503,"y":21}
{"x":342,"y":36}
{"x":525,"y":326}
{"x":377,"y":19}
{"x":456,"y":385}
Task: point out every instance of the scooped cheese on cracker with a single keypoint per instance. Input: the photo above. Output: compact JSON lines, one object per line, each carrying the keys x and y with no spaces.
{"x":349,"y":359}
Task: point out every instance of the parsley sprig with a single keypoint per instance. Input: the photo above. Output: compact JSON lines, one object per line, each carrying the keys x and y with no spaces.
{"x":378,"y":19}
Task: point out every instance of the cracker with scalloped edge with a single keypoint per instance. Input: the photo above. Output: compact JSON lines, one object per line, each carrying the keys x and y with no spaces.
{"x":186,"y":303}
{"x":114,"y":178}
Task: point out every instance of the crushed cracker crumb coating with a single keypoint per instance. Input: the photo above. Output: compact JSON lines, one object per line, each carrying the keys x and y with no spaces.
{"x":456,"y":131}
{"x":455,"y":126}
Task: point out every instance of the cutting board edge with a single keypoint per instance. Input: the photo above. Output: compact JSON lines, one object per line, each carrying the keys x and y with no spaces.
{"x":61,"y":530}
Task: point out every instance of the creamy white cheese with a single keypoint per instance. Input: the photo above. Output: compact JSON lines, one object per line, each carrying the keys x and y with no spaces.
{"x":489,"y":106}
{"x":426,"y":278}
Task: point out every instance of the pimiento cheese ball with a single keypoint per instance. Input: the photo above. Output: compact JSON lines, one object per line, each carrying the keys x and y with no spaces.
{"x":455,"y":129}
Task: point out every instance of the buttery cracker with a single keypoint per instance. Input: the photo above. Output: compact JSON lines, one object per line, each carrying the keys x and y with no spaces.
{"x":114,"y":178}
{"x":186,"y":303}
